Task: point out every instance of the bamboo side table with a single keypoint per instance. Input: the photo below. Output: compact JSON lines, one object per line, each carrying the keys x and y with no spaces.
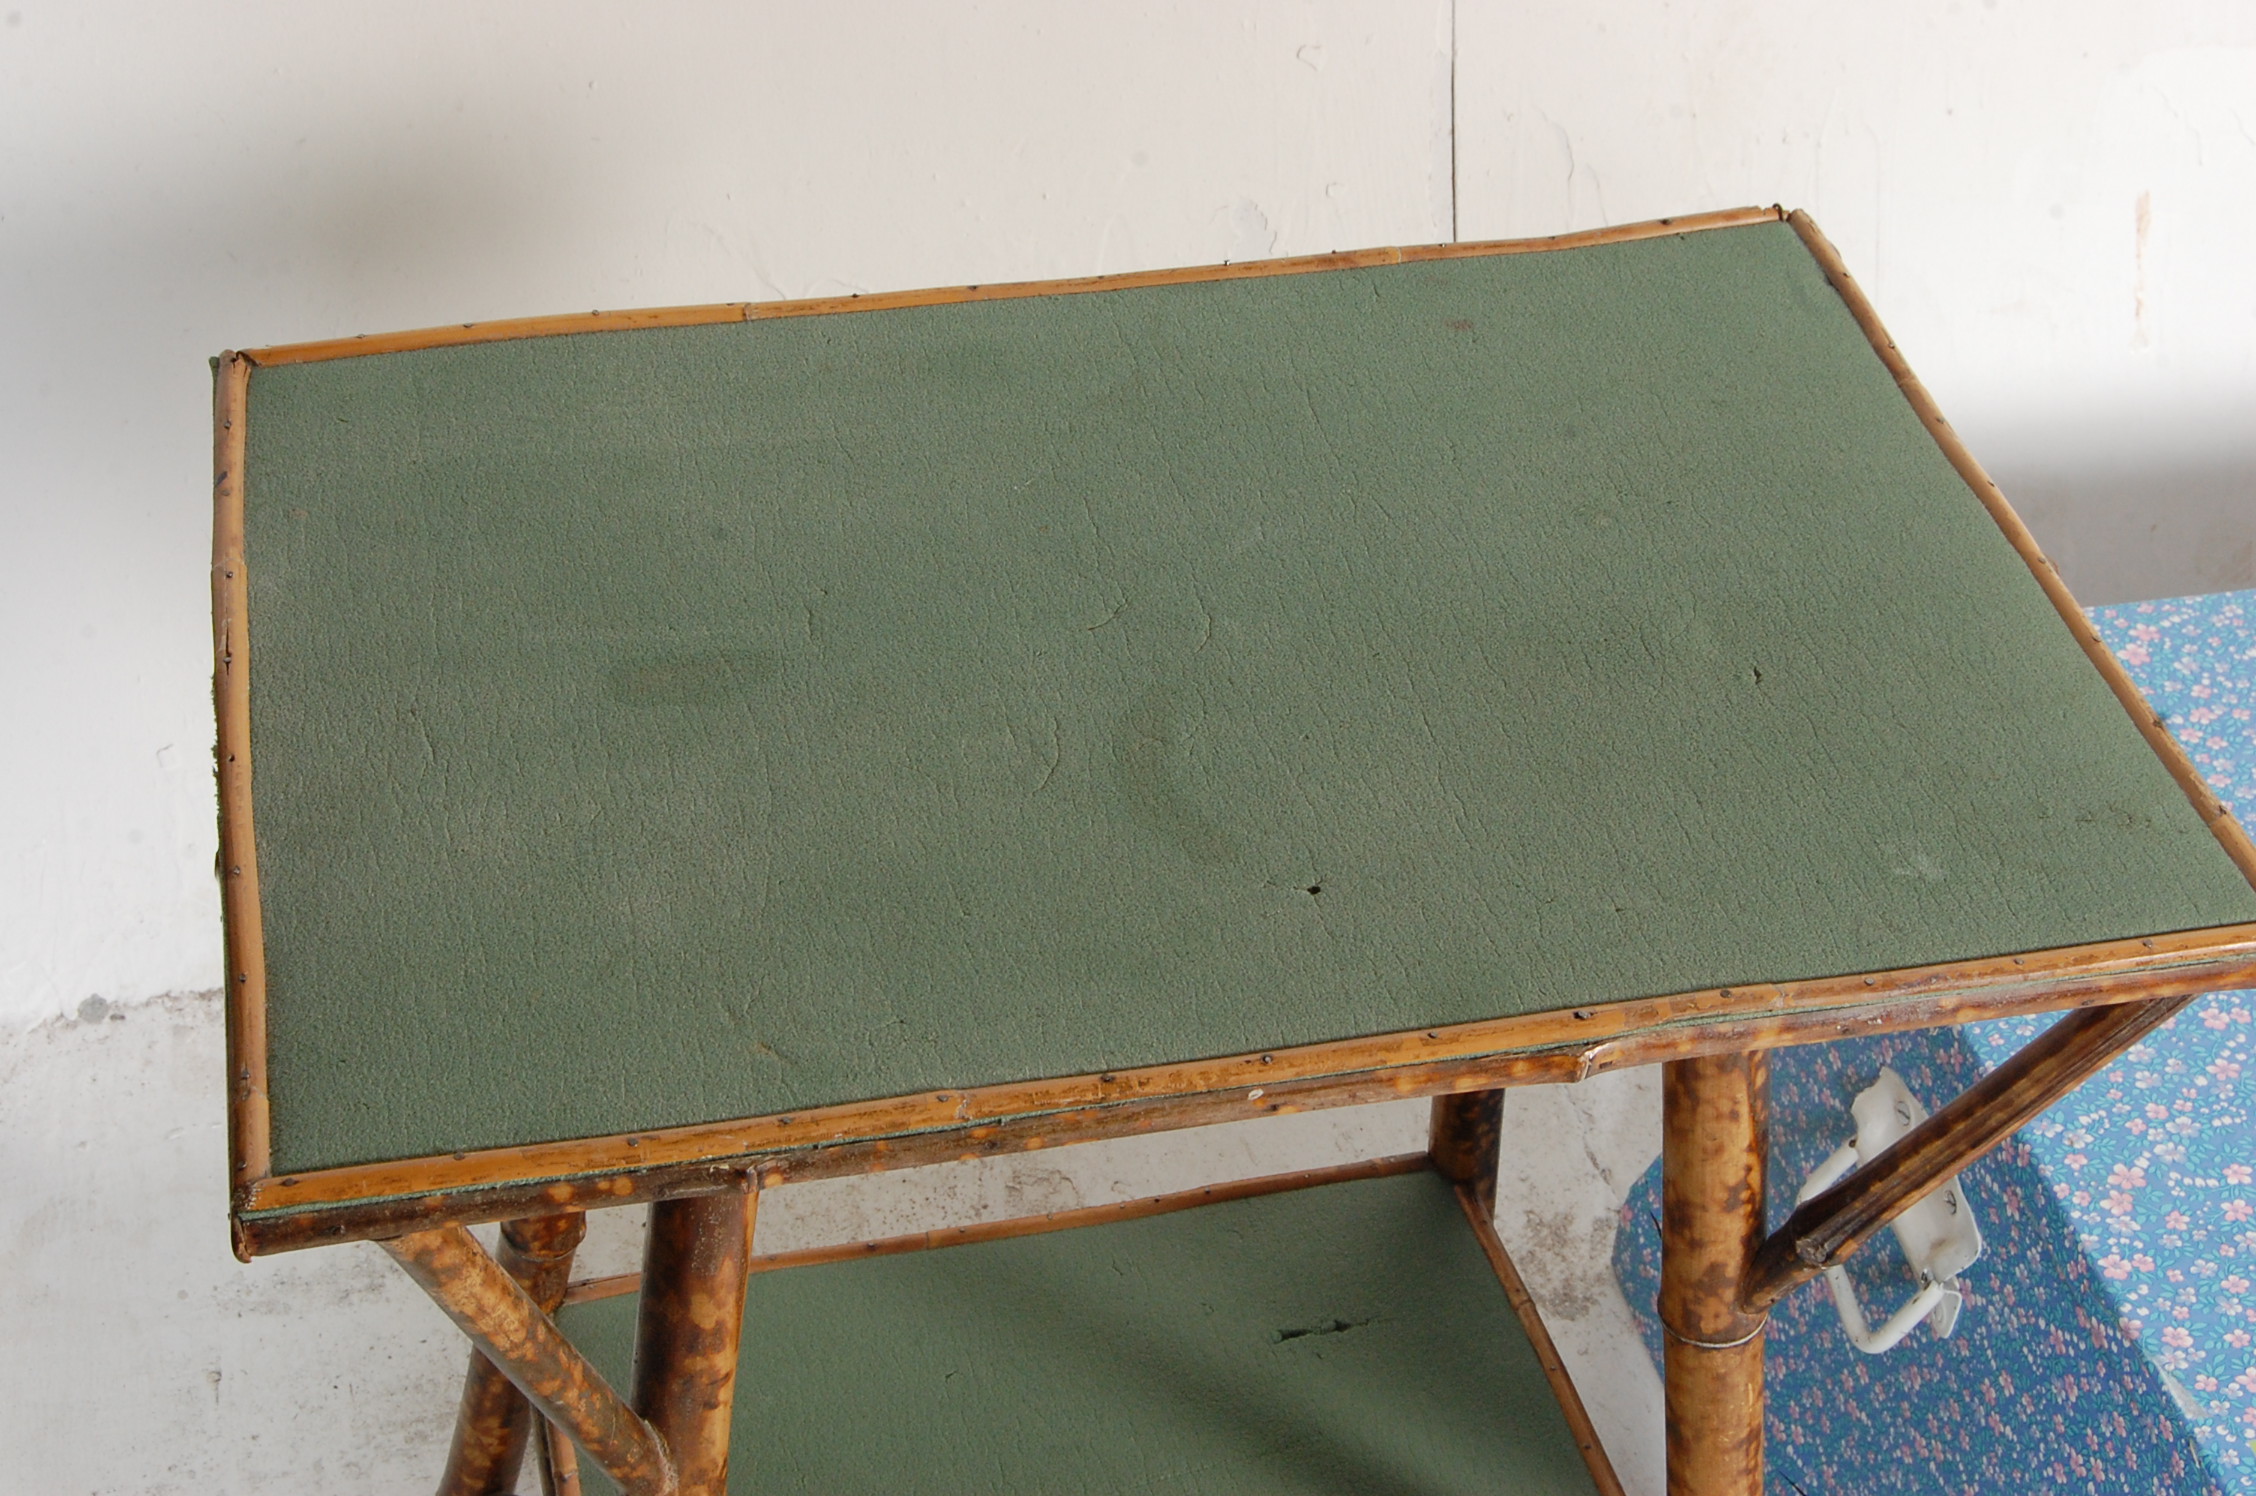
{"x":711,"y":748}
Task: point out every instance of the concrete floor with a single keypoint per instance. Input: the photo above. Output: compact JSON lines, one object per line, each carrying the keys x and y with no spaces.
{"x":326,"y":1371}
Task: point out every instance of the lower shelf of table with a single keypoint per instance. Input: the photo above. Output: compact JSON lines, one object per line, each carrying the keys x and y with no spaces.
{"x":1349,"y":1338}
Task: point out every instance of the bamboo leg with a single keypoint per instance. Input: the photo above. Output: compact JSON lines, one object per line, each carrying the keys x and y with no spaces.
{"x":687,"y":1330}
{"x":1714,"y":1136}
{"x":489,"y":1307}
{"x":1464,"y":1139}
{"x":490,"y":1431}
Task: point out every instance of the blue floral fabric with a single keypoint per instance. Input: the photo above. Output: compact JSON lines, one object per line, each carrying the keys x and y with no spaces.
{"x":2106,"y":1342}
{"x":2194,"y":658}
{"x":2041,"y":1390}
{"x":2154,"y":1160}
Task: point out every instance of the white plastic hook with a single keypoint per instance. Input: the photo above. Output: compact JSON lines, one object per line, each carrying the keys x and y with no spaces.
{"x":1938,"y":1234}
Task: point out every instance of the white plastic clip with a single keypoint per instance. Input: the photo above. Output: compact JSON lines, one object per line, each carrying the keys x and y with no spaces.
{"x":1938,"y":1234}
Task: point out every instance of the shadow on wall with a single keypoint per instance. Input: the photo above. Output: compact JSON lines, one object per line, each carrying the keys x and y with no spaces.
{"x":2125,"y":534}
{"x":272,"y":244}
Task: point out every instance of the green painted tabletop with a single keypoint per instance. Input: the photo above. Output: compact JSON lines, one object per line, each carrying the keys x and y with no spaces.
{"x":665,"y":726}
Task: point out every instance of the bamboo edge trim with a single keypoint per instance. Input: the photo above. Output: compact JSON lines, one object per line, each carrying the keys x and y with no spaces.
{"x":2228,"y":831}
{"x":507,"y":329}
{"x":1539,"y":1339}
{"x":587,"y":1290}
{"x":243,"y":938}
{"x":293,"y":1228}
{"x":1588,"y":1040}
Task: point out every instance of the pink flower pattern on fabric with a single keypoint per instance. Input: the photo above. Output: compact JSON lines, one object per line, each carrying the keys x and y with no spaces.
{"x":2152,"y":1160}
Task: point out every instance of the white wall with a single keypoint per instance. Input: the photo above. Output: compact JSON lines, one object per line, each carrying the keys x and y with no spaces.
{"x":2050,"y":203}
{"x":181,"y":179}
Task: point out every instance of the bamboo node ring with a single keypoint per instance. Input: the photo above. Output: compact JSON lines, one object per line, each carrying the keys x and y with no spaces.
{"x":1680,"y":1338}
